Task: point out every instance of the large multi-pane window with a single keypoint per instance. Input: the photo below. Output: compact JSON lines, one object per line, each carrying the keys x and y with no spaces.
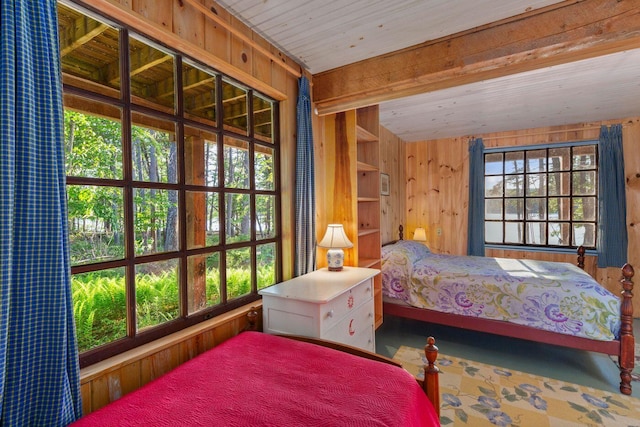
{"x":544,"y":196}
{"x":172,"y":183}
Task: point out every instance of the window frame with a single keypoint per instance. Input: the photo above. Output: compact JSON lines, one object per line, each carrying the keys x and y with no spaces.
{"x":128,"y":184}
{"x":570,"y":248}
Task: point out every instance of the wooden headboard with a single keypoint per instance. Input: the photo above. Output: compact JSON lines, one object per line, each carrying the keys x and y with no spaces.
{"x":400,"y":236}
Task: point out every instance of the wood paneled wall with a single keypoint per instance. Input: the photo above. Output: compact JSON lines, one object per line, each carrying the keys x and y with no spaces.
{"x":437,"y":191}
{"x":437,"y":178}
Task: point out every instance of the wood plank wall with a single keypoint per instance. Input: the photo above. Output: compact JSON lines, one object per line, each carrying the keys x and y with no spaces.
{"x":437,"y":191}
{"x":180,"y":26}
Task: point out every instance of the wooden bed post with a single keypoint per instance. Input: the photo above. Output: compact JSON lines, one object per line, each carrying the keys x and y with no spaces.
{"x":252,"y":320}
{"x":627,"y":341}
{"x":431,"y":383}
{"x":581,"y":251}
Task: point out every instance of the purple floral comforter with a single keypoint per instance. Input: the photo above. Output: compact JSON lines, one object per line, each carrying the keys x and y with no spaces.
{"x":557,"y":297}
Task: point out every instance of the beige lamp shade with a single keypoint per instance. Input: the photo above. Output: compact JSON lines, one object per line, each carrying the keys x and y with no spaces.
{"x":420,"y":234}
{"x":335,"y":239}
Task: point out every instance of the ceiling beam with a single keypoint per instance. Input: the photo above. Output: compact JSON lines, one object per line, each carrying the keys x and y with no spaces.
{"x":86,"y":30}
{"x":571,"y":32}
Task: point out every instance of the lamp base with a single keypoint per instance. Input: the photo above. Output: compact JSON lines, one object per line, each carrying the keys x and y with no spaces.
{"x":335,"y":259}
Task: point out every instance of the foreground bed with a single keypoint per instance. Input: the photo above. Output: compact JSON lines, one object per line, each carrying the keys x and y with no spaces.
{"x":256,"y":379}
{"x":547,"y":302}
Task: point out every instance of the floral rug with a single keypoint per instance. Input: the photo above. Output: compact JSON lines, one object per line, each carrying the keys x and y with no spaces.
{"x":477,"y":394}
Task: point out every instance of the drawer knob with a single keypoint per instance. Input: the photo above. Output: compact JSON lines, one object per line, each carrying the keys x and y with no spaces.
{"x":351,"y":329}
{"x":330,"y":313}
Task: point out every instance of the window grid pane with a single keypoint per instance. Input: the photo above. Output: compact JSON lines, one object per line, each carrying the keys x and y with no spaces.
{"x":153,"y":146}
{"x":157,"y":299}
{"x":238,"y":272}
{"x":105,"y":314}
{"x":265,"y":256}
{"x":94,"y":61}
{"x":199,"y":88}
{"x":200,"y":157}
{"x":92,"y":141}
{"x":96,"y":223}
{"x":203,"y":281}
{"x":152,"y":75}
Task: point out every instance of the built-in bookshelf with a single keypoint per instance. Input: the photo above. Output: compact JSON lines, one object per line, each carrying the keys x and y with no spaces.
{"x":351,"y":188}
{"x":368,"y":169}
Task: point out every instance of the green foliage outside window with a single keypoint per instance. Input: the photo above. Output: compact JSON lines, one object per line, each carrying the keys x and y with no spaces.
{"x":99,"y":300}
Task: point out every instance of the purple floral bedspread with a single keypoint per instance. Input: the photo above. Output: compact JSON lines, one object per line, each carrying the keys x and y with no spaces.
{"x":557,"y":297}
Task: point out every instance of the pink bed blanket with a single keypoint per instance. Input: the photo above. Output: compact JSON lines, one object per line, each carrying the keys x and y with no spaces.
{"x":256,"y":379}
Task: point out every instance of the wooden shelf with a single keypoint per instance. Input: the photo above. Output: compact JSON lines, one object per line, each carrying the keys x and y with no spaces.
{"x":368,"y":262}
{"x":366,"y":231}
{"x":364,"y":135}
{"x":368,"y":199}
{"x":366,"y":167}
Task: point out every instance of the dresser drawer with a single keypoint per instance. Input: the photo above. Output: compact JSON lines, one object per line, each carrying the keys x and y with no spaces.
{"x":365,"y":340}
{"x":356,"y":329}
{"x":334,"y":311}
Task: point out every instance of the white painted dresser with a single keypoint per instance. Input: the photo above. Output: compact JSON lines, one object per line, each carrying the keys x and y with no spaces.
{"x":332,"y":305}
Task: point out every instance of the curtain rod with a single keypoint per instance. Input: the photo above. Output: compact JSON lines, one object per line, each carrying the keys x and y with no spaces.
{"x":215,"y":18}
{"x":537,"y":133}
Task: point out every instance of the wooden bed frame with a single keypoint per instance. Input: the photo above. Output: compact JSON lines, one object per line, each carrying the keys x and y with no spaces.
{"x":624,"y":347}
{"x":430,"y":385}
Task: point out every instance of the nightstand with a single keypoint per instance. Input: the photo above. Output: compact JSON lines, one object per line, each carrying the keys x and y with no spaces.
{"x":332,"y":305}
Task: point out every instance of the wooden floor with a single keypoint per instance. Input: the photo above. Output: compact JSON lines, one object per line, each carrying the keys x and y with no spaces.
{"x":580,"y":367}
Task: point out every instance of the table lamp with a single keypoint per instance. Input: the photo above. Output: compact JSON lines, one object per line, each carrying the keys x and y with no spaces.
{"x":335,"y":240}
{"x":420,"y":235}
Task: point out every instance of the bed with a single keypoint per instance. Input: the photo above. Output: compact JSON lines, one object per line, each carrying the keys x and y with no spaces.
{"x":259,"y":379}
{"x":548,"y":302}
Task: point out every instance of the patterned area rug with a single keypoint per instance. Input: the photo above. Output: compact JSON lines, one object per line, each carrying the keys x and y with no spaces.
{"x":476,"y":394}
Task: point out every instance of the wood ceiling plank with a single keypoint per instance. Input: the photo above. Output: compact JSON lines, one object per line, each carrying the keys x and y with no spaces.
{"x":578,"y":30}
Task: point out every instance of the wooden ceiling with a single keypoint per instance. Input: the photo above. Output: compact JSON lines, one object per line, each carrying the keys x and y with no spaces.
{"x":535,"y":63}
{"x":329,"y":34}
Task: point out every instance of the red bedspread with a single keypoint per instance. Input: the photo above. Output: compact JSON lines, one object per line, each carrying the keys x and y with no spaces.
{"x":256,"y":379}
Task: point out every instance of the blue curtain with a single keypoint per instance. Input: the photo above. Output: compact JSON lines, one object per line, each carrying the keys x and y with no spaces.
{"x":612,"y":202}
{"x":305,"y":250}
{"x":39,"y":373}
{"x":475,"y":228}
